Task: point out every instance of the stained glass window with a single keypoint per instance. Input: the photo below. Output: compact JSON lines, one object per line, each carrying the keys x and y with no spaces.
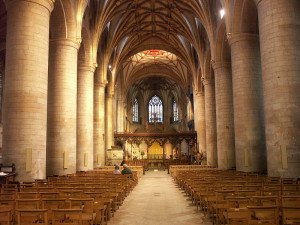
{"x":135,"y":111}
{"x":175,"y":112}
{"x":155,"y":110}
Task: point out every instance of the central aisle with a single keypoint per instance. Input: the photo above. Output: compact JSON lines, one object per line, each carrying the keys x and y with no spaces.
{"x":157,"y":201}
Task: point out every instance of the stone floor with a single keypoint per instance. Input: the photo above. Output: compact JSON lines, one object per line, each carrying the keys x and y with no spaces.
{"x":156,"y":200}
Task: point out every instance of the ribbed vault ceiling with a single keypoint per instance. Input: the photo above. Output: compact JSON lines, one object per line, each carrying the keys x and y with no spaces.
{"x":116,"y":32}
{"x":166,"y":25}
{"x":146,"y":62}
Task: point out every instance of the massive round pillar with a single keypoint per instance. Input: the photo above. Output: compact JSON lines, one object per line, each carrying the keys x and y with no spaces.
{"x":210,"y":121}
{"x":99,"y":124}
{"x":279,"y":23}
{"x":85,"y":118}
{"x":109,"y":122}
{"x":248,"y":103}
{"x":120,"y":115}
{"x":224,"y":115}
{"x":62,"y":107}
{"x":25,"y":92}
{"x":199,"y":119}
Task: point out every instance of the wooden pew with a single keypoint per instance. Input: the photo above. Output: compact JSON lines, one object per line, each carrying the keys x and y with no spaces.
{"x":291,"y":215}
{"x":263,"y":215}
{"x":32,"y":216}
{"x":6,"y":217}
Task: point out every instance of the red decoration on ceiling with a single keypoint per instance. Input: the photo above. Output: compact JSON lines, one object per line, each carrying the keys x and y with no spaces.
{"x":154,"y":52}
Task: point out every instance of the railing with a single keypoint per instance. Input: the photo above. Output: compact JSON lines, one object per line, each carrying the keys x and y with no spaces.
{"x":156,"y":156}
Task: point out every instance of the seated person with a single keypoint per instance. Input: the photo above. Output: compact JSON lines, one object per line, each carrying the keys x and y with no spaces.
{"x":116,"y":170}
{"x":126,"y":170}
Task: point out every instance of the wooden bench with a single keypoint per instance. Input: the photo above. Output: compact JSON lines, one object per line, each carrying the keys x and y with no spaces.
{"x":263,"y":215}
{"x":291,"y":215}
{"x":6,"y":217}
{"x":67,"y":217}
{"x":32,"y":216}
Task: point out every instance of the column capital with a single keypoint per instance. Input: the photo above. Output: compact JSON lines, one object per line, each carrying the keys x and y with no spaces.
{"x":220,"y":64}
{"x":65,"y":42}
{"x":101,"y":84}
{"x":198,"y":93}
{"x":236,"y":37}
{"x":89,"y":68}
{"x":108,"y":95}
{"x":48,"y":4}
{"x":208,"y":81}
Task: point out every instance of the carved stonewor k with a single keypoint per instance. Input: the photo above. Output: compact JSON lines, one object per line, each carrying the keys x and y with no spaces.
{"x":114,"y":155}
{"x":142,"y":154}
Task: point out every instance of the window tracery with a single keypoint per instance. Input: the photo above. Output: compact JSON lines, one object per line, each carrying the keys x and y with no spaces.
{"x":155,"y":108}
{"x":175,"y":112}
{"x":135,"y":111}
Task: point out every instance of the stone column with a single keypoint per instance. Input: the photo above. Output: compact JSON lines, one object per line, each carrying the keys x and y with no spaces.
{"x":25,"y":92}
{"x":199,"y":119}
{"x":144,"y":112}
{"x":99,"y":124}
{"x":62,"y":107}
{"x":168,"y":113}
{"x":85,"y":118}
{"x":224,"y":115}
{"x":279,"y":23}
{"x":120,"y":115}
{"x":210,"y":121}
{"x":248,"y":103}
{"x":2,"y":75}
{"x":109,"y":122}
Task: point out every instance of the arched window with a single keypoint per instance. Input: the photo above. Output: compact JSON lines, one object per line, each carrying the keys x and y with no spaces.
{"x":135,"y":111}
{"x":175,"y":112}
{"x":155,"y":110}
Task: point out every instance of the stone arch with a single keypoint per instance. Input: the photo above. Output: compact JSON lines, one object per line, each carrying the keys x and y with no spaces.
{"x":85,"y":54}
{"x":82,"y":54}
{"x":207,"y":71}
{"x":222,"y":49}
{"x":197,"y":81}
{"x":150,"y":46}
{"x":244,"y":17}
{"x":63,"y":20}
{"x":159,"y":71}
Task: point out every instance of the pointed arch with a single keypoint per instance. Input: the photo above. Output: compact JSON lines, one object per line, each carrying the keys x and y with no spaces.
{"x":155,"y":109}
{"x":63,"y":20}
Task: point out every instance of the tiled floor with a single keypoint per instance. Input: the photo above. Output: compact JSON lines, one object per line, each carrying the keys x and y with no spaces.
{"x":156,"y":200}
